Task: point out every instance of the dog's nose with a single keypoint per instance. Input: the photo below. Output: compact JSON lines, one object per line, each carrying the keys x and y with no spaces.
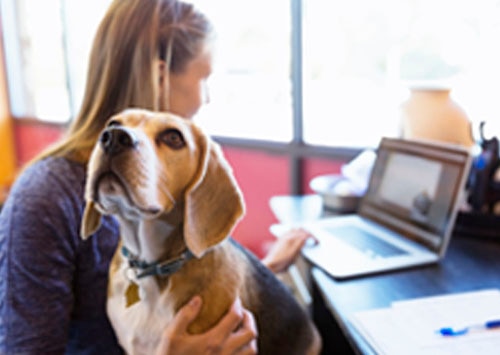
{"x":117,"y":139}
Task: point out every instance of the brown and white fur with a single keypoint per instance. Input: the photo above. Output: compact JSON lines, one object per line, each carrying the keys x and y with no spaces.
{"x":171,"y":189}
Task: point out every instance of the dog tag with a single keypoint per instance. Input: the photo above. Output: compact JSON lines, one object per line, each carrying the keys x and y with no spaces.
{"x":132,"y":294}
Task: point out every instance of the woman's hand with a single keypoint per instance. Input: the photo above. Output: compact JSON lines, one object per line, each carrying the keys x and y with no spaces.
{"x":286,"y":249}
{"x":236,"y":333}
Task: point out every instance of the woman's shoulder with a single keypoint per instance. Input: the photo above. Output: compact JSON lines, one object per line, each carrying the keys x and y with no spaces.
{"x":46,"y":199}
{"x":55,"y":167}
{"x":50,"y":174}
{"x":52,"y":183}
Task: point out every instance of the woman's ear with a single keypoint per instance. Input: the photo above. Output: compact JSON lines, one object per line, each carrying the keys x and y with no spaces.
{"x":214,"y":202}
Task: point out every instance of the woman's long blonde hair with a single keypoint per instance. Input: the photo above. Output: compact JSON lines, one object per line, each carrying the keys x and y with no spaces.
{"x":123,"y":69}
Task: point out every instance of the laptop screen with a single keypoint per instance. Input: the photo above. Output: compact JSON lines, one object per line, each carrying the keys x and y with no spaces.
{"x":416,"y":189}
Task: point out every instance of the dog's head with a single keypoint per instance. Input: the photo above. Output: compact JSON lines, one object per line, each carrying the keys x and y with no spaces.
{"x":145,"y":164}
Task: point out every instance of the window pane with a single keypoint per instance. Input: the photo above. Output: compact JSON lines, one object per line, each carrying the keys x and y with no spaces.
{"x":47,"y":45}
{"x":356,"y":72}
{"x":250,"y":89}
{"x":35,"y":59}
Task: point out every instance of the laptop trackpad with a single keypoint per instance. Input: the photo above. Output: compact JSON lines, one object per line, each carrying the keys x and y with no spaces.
{"x":364,"y":241}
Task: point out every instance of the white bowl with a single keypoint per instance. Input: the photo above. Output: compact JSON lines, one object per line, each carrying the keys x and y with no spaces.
{"x":337,"y":193}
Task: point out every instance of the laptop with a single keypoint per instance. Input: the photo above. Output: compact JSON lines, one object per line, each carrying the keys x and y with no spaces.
{"x":406,"y":216}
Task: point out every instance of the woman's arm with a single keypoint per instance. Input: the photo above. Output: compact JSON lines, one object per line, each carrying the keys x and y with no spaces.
{"x":52,"y":284}
{"x":35,"y":273}
{"x":286,"y":249}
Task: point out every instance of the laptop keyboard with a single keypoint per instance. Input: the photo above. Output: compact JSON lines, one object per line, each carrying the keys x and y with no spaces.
{"x":366,"y":242}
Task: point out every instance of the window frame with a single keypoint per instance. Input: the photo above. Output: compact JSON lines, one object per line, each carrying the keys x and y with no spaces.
{"x":297,"y":150}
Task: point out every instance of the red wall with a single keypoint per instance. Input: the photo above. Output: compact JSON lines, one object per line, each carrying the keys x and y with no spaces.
{"x":260,"y":176}
{"x":31,"y":137}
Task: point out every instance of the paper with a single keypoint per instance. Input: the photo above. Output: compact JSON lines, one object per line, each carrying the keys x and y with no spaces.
{"x":409,"y":327}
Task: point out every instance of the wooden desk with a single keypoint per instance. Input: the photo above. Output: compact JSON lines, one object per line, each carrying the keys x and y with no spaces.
{"x":469,"y":264}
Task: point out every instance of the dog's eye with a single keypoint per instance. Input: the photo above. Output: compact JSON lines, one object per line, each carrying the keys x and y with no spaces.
{"x":114,"y":123}
{"x":173,"y":138}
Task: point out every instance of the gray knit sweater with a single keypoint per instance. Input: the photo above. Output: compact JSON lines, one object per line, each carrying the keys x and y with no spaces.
{"x":53,"y":284}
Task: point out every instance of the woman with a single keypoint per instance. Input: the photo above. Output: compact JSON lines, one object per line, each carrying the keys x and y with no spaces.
{"x":153,"y":54}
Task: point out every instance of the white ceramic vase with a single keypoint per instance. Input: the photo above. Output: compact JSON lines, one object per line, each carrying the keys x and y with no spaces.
{"x":431,"y":114}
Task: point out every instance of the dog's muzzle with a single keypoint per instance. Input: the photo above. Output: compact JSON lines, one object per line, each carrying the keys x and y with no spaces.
{"x":116,"y":139}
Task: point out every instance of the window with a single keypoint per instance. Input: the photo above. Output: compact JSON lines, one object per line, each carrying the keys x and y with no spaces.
{"x":355,"y":60}
{"x":34,"y":58}
{"x":360,"y":56}
{"x":250,"y":89}
{"x":46,"y":46}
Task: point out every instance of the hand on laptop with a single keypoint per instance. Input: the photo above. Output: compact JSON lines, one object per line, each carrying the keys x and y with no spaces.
{"x":287,"y":248}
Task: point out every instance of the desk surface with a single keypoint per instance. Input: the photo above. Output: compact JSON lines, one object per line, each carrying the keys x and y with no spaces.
{"x":469,"y":264}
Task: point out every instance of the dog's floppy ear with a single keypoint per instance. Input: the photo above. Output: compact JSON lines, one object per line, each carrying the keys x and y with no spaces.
{"x":91,"y":220}
{"x":214,"y":203}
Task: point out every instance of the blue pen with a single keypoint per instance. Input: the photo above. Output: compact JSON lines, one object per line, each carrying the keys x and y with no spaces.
{"x":450,"y":331}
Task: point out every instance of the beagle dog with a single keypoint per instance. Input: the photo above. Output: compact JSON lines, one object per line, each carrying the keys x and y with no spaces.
{"x":176,"y":201}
